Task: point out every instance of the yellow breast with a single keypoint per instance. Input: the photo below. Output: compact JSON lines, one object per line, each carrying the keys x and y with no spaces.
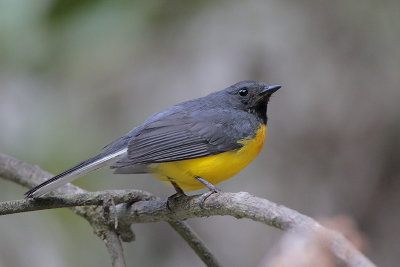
{"x":214,"y":169}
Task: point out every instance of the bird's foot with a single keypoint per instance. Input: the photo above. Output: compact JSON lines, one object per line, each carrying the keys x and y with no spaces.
{"x":213,"y":189}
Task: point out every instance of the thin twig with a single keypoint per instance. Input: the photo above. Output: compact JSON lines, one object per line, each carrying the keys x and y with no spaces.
{"x":195,"y":243}
{"x":114,"y":246}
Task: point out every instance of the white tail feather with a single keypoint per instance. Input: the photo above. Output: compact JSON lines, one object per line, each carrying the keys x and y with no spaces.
{"x":107,"y":160}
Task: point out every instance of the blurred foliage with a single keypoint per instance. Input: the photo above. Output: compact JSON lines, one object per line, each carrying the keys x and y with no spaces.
{"x":65,"y":9}
{"x":74,"y":75}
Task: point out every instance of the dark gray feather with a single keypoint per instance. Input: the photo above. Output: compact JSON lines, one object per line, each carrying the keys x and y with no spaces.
{"x":178,"y":135}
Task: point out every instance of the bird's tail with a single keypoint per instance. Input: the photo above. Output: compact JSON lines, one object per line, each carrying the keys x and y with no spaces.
{"x":83,"y":168}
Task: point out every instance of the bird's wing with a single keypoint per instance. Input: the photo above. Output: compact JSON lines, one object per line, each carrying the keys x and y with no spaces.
{"x":180,"y":137}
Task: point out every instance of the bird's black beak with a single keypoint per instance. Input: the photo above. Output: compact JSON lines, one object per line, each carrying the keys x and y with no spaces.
{"x":266,"y":93}
{"x":269,"y":90}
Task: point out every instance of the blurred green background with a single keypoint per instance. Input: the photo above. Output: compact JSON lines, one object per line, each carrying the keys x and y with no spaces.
{"x":75,"y":75}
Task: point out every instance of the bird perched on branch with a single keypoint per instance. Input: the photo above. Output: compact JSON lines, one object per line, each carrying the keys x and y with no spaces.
{"x":192,"y":145}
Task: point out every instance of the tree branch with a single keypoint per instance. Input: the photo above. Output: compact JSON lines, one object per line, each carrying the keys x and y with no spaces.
{"x":27,"y":175}
{"x":239,"y":205}
{"x":79,"y":199}
{"x":242,"y":205}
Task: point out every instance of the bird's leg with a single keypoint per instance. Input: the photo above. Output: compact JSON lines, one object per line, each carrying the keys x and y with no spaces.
{"x":213,"y":189}
{"x":179,"y":193}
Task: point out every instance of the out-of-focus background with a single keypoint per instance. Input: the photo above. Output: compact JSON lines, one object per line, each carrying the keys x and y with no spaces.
{"x":75,"y":75}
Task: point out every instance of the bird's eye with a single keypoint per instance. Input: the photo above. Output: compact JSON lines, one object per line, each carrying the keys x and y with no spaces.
{"x":243,"y":92}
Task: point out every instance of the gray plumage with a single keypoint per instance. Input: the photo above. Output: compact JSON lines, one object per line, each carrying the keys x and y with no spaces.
{"x":197,"y":128}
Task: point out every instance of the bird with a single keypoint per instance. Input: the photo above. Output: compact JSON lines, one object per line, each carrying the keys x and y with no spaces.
{"x":192,"y":145}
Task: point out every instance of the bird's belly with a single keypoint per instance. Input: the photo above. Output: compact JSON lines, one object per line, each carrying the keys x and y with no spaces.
{"x":214,"y":169}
